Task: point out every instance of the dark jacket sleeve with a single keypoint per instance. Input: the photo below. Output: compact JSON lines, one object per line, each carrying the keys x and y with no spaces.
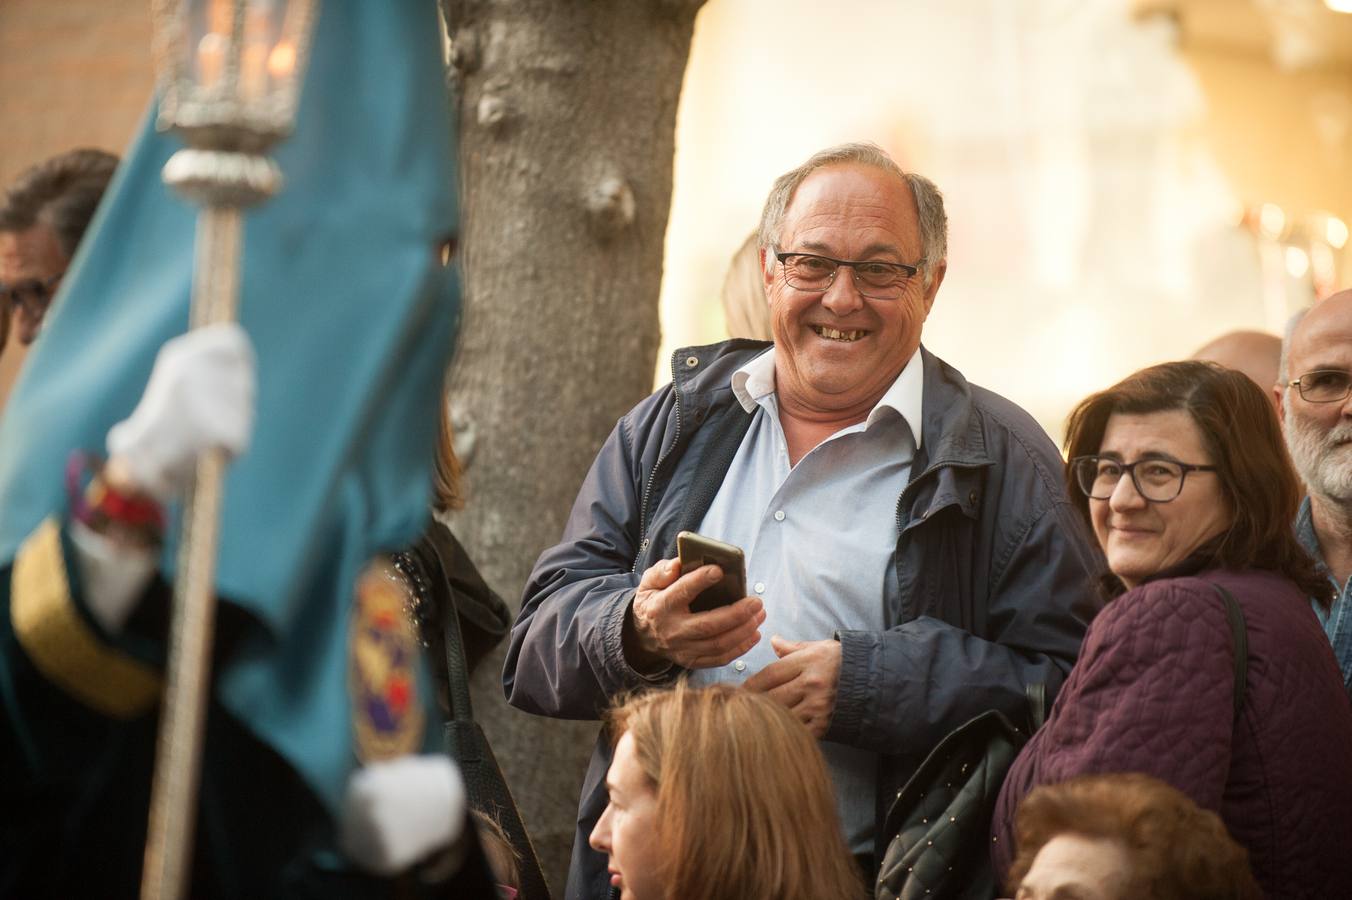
{"x":1152,"y":692}
{"x":67,"y":685}
{"x":902,"y":690}
{"x":566,"y":656}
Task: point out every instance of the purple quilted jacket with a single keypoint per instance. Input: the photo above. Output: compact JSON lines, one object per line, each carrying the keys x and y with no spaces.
{"x":1152,"y":692}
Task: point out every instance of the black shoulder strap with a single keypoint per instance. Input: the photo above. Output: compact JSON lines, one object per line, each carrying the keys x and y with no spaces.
{"x":730,"y":427}
{"x":457,"y":667}
{"x":1239,"y":640}
{"x":484,"y":781}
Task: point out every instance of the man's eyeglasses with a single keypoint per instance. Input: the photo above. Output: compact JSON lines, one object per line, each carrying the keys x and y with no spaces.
{"x":876,"y":280}
{"x":31,"y":295}
{"x":1158,"y":479}
{"x":1323,"y":386}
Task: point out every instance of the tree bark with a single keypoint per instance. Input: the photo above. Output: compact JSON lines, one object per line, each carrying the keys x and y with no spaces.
{"x":567,"y":119}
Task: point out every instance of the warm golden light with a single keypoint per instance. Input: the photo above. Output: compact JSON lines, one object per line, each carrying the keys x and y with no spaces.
{"x":211,"y":58}
{"x":220,"y":16}
{"x":1297,"y":262}
{"x":1335,"y":229}
{"x":1272,"y":220}
{"x":1342,"y":6}
{"x":1322,"y":263}
{"x":282,"y":60}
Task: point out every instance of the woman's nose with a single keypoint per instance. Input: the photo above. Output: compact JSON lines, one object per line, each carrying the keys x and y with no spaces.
{"x":1125,"y":495}
{"x":599,"y":839}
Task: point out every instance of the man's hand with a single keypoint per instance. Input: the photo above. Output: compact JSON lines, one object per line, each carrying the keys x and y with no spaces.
{"x":804,"y":679}
{"x":665,"y":630}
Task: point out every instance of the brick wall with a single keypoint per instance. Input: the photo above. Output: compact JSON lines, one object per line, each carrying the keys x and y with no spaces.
{"x":73,"y":73}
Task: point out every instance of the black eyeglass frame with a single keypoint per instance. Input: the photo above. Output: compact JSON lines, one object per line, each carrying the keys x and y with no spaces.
{"x":1299,"y":385}
{"x":1078,"y":467}
{"x":14,"y":294}
{"x":907,"y":271}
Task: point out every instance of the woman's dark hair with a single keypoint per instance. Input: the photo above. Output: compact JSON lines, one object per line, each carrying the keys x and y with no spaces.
{"x":1177,"y":851}
{"x":1240,"y":432}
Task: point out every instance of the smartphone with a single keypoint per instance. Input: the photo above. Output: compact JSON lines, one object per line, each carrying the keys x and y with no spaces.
{"x":696,"y":550}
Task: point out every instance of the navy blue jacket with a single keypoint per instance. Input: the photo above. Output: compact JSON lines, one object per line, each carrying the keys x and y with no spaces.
{"x":996,"y":574}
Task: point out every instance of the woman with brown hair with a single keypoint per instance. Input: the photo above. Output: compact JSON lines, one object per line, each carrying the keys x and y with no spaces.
{"x":1182,"y":473}
{"x":720,"y":794}
{"x":1114,"y":837}
{"x":442,"y":576}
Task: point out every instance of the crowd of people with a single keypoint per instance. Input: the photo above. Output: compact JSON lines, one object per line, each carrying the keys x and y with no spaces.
{"x":918,"y":553}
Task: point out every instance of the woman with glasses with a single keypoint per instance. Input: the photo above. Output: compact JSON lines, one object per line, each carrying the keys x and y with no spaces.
{"x":1181,"y":472}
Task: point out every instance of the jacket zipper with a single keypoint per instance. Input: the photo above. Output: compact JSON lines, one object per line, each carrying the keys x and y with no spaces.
{"x":914,"y":481}
{"x":657,"y":467}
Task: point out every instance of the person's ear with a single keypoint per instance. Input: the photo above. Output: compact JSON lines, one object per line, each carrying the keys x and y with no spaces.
{"x":936,"y":278}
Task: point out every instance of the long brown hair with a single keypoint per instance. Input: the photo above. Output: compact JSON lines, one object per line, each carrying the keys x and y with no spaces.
{"x":447,"y":472}
{"x":1177,"y":850}
{"x":745,"y":806}
{"x":1241,"y":434}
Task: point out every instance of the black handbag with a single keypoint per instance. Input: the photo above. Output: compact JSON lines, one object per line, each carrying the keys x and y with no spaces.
{"x":939,"y":823}
{"x":484,"y":783}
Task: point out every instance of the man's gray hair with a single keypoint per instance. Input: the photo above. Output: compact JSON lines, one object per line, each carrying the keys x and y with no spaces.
{"x":1283,"y":367}
{"x":62,"y":193}
{"x":929,"y":202}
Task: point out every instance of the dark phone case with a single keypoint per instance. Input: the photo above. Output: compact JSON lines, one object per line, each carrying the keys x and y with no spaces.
{"x":729,"y":590}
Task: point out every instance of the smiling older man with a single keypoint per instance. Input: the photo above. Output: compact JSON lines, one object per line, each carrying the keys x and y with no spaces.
{"x":1314,"y":397}
{"x":912,"y":559}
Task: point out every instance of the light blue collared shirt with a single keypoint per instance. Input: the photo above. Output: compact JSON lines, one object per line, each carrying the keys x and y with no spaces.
{"x":819,"y":539}
{"x":1337,"y":621}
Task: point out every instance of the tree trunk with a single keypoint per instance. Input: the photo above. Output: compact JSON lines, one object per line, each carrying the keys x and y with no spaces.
{"x":567,"y":118}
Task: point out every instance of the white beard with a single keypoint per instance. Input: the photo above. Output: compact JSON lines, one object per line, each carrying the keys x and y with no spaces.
{"x":1323,"y":459}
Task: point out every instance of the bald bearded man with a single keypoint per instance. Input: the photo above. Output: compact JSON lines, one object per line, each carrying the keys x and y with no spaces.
{"x":1314,"y":397}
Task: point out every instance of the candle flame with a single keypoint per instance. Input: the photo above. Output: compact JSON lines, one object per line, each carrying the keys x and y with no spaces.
{"x":282,"y":60}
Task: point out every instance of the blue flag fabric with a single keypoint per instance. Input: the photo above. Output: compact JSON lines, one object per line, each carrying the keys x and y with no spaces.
{"x":352,"y":317}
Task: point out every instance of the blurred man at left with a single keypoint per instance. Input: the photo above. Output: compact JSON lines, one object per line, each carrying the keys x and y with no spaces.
{"x":43,"y":215}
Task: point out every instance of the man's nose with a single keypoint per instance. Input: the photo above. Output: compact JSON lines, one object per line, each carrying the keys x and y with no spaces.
{"x":843,"y":296}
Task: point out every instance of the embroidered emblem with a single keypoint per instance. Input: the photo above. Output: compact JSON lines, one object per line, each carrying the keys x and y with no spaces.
{"x":387,"y":715}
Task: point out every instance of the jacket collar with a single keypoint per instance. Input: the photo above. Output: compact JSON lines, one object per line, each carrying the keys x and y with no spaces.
{"x":755,"y":380}
{"x":952,"y":433}
{"x":699,"y":374}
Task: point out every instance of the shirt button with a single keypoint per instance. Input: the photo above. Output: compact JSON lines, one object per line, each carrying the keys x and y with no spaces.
{"x":779,"y":515}
{"x":739,"y":666}
{"x":760,"y":587}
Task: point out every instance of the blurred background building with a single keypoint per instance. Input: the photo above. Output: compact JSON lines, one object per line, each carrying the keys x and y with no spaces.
{"x":1126,"y":179}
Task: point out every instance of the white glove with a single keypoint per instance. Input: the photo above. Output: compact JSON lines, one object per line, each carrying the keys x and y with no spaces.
{"x":399,"y":811}
{"x":200,"y":395}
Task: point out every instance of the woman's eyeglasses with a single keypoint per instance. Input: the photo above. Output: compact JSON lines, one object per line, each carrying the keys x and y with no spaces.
{"x":1158,"y":479}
